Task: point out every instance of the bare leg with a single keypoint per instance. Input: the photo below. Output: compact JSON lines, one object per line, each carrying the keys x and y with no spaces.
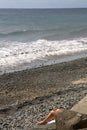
{"x":50,"y":116}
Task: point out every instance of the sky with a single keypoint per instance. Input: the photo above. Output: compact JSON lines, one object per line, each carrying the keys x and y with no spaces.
{"x":43,"y":3}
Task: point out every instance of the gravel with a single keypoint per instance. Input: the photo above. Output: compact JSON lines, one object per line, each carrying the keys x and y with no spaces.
{"x":26,"y":117}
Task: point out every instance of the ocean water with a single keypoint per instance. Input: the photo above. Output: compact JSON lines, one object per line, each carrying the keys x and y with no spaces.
{"x":35,"y":37}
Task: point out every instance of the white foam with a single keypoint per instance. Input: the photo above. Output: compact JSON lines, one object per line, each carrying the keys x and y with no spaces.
{"x":14,"y":54}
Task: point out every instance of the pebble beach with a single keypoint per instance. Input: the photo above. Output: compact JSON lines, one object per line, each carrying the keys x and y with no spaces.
{"x":27,"y":96}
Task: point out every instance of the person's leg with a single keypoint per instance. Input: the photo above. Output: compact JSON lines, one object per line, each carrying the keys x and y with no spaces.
{"x":50,"y":117}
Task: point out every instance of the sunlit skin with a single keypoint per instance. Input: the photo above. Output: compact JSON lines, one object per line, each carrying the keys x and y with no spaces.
{"x":50,"y":116}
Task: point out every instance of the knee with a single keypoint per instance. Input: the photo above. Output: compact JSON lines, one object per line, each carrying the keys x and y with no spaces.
{"x":52,"y":112}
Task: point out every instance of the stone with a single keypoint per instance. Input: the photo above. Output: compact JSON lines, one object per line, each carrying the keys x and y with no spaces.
{"x":70,"y":120}
{"x":81,"y":106}
{"x":45,"y":127}
{"x":66,"y":120}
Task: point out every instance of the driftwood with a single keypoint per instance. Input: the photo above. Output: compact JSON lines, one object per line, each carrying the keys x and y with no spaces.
{"x":70,"y":120}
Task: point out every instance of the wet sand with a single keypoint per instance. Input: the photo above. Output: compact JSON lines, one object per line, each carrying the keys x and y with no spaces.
{"x":31,"y":83}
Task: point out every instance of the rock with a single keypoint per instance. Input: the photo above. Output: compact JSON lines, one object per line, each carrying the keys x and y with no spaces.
{"x":66,"y":120}
{"x":70,"y":120}
{"x":81,"y":106}
{"x":83,"y":129}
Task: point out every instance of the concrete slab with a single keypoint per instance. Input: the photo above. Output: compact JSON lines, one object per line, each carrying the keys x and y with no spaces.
{"x":81,"y":106}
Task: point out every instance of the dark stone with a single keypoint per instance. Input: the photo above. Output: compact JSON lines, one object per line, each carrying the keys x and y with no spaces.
{"x":70,"y":120}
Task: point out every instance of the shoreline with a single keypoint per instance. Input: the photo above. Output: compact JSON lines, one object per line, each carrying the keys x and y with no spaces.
{"x":47,"y":61}
{"x":27,"y":96}
{"x":31,"y":83}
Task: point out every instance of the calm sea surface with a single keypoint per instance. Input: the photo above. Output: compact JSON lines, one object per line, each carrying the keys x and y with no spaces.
{"x":30,"y":38}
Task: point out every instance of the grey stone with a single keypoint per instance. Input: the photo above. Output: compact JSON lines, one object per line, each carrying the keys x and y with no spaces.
{"x":45,"y":127}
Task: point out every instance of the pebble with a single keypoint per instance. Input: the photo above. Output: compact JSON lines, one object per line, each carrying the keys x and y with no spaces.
{"x":28,"y":116}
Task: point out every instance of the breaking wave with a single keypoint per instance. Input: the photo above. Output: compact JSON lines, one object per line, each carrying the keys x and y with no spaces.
{"x":18,"y":53}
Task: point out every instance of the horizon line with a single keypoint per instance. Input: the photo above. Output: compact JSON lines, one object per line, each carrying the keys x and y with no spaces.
{"x":46,"y":8}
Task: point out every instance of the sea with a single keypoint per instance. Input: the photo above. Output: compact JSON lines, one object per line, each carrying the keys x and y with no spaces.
{"x":30,"y":38}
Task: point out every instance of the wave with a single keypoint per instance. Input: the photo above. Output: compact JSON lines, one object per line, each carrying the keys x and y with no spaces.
{"x":58,"y":32}
{"x":21,"y":32}
{"x":17,"y":33}
{"x":22,"y":54}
